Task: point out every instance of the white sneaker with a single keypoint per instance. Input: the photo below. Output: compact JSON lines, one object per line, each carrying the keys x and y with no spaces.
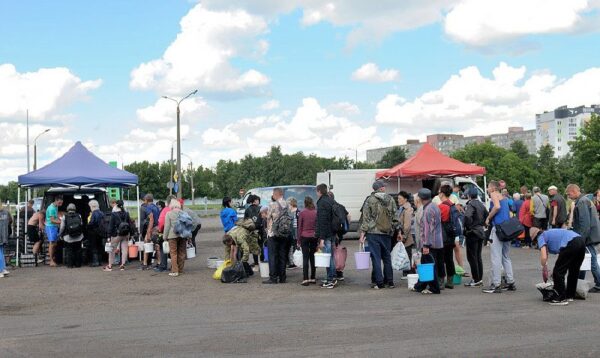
{"x":5,"y":272}
{"x":1,"y":275}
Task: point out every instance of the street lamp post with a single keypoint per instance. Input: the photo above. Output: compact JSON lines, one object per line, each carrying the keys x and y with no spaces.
{"x":179,"y":139}
{"x":355,"y":149}
{"x":35,"y":155}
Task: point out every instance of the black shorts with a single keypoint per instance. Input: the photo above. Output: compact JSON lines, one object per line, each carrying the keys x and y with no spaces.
{"x":33,"y":233}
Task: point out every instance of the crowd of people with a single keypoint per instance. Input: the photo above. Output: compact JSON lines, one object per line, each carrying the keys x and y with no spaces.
{"x":434,"y":225}
{"x":431,"y":227}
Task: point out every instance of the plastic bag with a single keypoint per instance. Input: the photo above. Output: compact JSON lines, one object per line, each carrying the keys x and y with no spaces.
{"x":416,"y":259}
{"x":583,"y":287}
{"x":459,"y":270}
{"x":234,"y":274}
{"x":297,"y":258}
{"x":400,"y":260}
{"x":219,"y":270}
{"x":340,"y":254}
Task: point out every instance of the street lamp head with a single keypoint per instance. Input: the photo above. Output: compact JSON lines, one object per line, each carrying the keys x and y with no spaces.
{"x":195,"y":91}
{"x":47,"y":130}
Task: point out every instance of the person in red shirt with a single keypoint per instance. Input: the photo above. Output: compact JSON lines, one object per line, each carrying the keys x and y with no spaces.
{"x":526,"y":219}
{"x":449,"y":242}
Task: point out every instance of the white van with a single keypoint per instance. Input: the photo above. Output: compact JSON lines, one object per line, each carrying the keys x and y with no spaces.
{"x":351,"y":187}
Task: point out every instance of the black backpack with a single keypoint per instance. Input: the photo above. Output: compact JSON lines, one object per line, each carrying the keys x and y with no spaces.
{"x":339,"y":219}
{"x":124,"y":228}
{"x":73,"y":224}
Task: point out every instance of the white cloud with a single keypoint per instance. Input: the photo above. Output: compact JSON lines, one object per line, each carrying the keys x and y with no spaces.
{"x":44,"y":92}
{"x":370,"y":72}
{"x":311,"y":129}
{"x":164,"y":111}
{"x":471,"y":103}
{"x":344,"y":109}
{"x":483,"y":22}
{"x":270,"y":105}
{"x":200,"y":57}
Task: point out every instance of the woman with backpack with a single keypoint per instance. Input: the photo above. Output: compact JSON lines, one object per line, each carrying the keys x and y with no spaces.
{"x":120,"y":229}
{"x":71,"y":230}
{"x":307,"y":223}
{"x":177,"y":244}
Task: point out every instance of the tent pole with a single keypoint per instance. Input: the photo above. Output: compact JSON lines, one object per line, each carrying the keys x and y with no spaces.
{"x":485,"y":194}
{"x":137,"y":187}
{"x":28,"y":195}
{"x":18,"y":226}
{"x":398,"y":184}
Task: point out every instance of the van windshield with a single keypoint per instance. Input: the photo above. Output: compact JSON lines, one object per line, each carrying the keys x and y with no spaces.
{"x":299,"y":193}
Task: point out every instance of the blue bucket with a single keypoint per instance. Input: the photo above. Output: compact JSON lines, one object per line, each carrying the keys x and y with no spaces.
{"x":425,"y":272}
{"x":266,"y":253}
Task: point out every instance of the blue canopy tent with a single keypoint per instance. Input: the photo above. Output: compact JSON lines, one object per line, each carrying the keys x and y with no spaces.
{"x":78,"y":167}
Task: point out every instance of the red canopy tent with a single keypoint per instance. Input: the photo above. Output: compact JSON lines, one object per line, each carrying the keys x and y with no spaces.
{"x":428,"y":162}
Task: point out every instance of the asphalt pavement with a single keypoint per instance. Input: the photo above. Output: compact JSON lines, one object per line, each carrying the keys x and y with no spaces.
{"x":85,"y":312}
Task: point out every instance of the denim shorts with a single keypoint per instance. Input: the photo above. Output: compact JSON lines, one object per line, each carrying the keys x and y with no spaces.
{"x":52,"y":233}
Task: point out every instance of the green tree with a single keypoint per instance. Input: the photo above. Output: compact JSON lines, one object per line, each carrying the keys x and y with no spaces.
{"x":392,"y":157}
{"x":546,"y":167}
{"x":9,"y":192}
{"x":586,"y":153}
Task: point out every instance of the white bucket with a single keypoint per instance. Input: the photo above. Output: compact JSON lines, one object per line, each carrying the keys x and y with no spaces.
{"x":140,"y":245}
{"x":190,"y":252}
{"x":219,"y":263}
{"x":108,"y":247}
{"x":165,"y":246}
{"x":322,"y":259}
{"x":211,"y":262}
{"x":586,"y":265}
{"x":264,"y":269}
{"x":413,"y":278}
{"x":148,"y":247}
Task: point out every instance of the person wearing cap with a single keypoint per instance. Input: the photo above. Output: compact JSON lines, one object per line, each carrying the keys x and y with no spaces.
{"x":377,"y":227}
{"x":71,"y":230}
{"x":570,"y":248}
{"x":431,"y":242}
{"x":558,"y":213}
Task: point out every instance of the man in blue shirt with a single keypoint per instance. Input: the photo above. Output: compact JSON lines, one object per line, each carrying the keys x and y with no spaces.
{"x":570,"y":248}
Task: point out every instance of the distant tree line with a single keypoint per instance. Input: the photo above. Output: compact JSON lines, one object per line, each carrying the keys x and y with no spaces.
{"x":515,"y":166}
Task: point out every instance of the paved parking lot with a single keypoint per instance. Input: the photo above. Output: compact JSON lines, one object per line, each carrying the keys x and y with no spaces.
{"x":89,"y":313}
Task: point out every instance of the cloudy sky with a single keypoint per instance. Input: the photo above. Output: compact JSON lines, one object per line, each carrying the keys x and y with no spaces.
{"x":318,"y":76}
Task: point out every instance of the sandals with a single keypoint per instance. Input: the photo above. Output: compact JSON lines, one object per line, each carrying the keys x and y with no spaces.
{"x":107,"y":268}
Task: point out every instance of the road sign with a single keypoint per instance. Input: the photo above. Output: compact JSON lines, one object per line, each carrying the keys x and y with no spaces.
{"x":170,"y":185}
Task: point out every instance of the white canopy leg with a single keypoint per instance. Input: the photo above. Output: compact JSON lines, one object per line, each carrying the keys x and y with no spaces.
{"x":18,"y":226}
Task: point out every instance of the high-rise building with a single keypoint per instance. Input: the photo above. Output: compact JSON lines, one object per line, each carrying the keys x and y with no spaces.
{"x":560,"y":126}
{"x":448,"y":143}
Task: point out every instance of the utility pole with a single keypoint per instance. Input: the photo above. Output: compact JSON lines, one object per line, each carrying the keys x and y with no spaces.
{"x":171,"y":177}
{"x":192,"y":180}
{"x":28,"y":141}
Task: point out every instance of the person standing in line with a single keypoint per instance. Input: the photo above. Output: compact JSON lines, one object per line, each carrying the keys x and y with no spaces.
{"x":196,"y":223}
{"x":6,"y":222}
{"x":324,"y":233}
{"x":177,"y":244}
{"x":377,"y":226}
{"x":276,"y":242}
{"x":163,"y":255}
{"x":150,"y":215}
{"x":228,"y":215}
{"x":405,"y":217}
{"x":499,"y":251}
{"x":253,"y":212}
{"x":71,"y":230}
{"x":523,"y":190}
{"x":558,"y":212}
{"x":585,"y":223}
{"x":52,"y":225}
{"x":431,"y":241}
{"x":95,"y":232}
{"x":540,"y":207}
{"x":307,"y":223}
{"x":570,"y":248}
{"x":526,"y":219}
{"x":475,"y":215}
{"x":517,"y":204}
{"x":450,"y":236}
{"x":294,"y":212}
{"x":35,"y":229}
{"x":121,"y":228}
